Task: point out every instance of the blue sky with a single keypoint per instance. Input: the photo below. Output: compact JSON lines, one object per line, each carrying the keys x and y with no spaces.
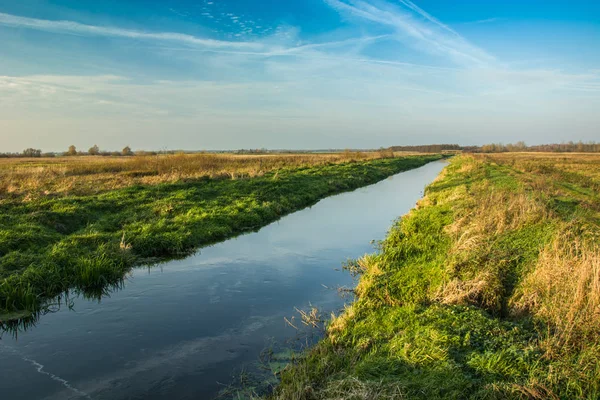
{"x":229,"y":74}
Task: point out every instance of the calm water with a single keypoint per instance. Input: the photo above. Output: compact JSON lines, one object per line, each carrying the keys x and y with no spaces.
{"x":180,"y":331}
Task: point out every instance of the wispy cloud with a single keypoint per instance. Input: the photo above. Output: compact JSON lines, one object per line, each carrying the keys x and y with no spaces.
{"x":423,"y":31}
{"x":412,"y":6}
{"x":179,"y":13}
{"x":264,"y":48}
{"x":484,"y":21}
{"x":275,"y":46}
{"x":93,"y":30}
{"x":353,"y":42}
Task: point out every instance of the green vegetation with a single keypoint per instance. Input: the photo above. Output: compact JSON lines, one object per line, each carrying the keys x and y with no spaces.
{"x":489,"y":289}
{"x":52,"y":243}
{"x":32,"y":178}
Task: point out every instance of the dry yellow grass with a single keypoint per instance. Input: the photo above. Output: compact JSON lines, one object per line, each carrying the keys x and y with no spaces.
{"x":559,"y":284}
{"x":353,"y":388}
{"x":35,"y":177}
{"x":495,"y":212}
{"x":491,"y":211}
{"x":564,"y":289}
{"x":584,"y":164}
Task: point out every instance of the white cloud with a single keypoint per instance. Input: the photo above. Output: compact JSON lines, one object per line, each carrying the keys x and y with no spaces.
{"x":93,"y":30}
{"x":485,"y":21}
{"x":426,"y":34}
{"x":412,"y":6}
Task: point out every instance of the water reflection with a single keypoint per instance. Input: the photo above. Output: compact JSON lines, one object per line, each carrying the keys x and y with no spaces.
{"x":14,"y":324}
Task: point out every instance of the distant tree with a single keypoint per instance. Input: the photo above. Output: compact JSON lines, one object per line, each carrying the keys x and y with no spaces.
{"x":495,"y":148}
{"x":32,"y":152}
{"x":72,"y":151}
{"x":385,"y":153}
{"x":429,"y":148}
{"x":94,"y":150}
{"x":127,"y":151}
{"x":520,"y":146}
{"x":145,"y":153}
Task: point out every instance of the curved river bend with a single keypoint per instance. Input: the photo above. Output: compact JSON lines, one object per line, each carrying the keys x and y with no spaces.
{"x":180,"y":331}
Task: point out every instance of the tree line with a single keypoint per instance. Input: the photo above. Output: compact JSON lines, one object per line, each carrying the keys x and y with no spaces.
{"x":428,"y":148}
{"x":71,"y":151}
{"x":95,"y":151}
{"x":568,"y":147}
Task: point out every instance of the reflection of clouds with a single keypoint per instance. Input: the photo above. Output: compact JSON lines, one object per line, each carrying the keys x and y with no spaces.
{"x":40,"y":368}
{"x":168,"y":363}
{"x":213,"y":293}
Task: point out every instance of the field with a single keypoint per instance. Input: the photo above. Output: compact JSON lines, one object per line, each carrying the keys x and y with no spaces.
{"x":82,"y":223}
{"x":489,"y":289}
{"x":30,"y":178}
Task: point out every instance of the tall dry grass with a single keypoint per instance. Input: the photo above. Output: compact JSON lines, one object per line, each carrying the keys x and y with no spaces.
{"x":32,"y":178}
{"x":563,"y":289}
{"x":477,"y":269}
{"x":561,"y":284}
{"x":494,"y":212}
{"x":579,"y":168}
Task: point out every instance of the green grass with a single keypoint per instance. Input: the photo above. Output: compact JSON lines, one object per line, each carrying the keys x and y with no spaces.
{"x":443,"y":310}
{"x":53,"y":244}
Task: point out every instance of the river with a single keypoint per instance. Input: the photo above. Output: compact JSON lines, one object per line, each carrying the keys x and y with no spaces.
{"x":185,"y":329}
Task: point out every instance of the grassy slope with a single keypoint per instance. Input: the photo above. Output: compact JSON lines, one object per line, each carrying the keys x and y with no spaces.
{"x":489,"y":289}
{"x":88,"y":242}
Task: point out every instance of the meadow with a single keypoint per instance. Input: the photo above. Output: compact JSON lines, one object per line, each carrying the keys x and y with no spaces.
{"x":488,"y":289}
{"x":80,"y":223}
{"x":30,"y":178}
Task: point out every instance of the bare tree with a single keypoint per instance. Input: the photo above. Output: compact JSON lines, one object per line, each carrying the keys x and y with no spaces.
{"x":32,"y":152}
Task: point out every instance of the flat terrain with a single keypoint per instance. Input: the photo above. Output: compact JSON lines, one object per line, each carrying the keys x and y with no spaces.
{"x":30,"y":178}
{"x":489,"y":289}
{"x":83,"y":223}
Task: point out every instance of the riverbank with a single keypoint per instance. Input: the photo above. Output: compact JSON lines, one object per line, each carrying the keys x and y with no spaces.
{"x":488,"y":289}
{"x":88,"y":242}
